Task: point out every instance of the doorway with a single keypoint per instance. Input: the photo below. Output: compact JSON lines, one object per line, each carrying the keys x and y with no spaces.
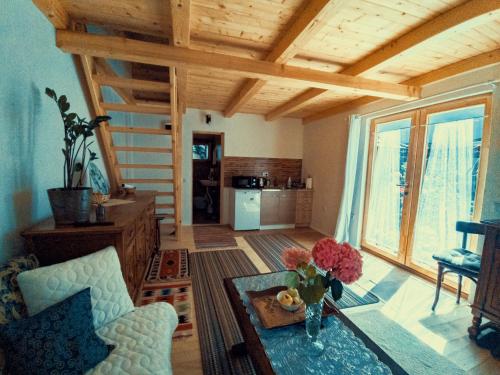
{"x":426,"y":171}
{"x":207,"y":181}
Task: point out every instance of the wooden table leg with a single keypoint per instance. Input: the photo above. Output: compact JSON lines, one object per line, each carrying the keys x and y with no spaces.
{"x":239,"y":349}
{"x":474,"y":329}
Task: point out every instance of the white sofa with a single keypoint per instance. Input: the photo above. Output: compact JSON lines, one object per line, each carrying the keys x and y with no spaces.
{"x":142,"y":335}
{"x":143,"y":340}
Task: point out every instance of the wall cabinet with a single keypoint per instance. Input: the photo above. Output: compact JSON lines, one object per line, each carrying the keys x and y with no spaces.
{"x":285,"y":207}
{"x":132,"y":234}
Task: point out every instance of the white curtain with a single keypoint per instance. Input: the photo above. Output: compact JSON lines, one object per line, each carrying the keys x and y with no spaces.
{"x":446,"y":193}
{"x":345,"y":211}
{"x":383,"y":221}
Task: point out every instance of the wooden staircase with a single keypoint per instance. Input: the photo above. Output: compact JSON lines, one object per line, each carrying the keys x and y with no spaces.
{"x":98,"y":74}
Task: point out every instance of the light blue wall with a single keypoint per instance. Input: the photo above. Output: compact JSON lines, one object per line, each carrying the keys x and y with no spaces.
{"x":30,"y":126}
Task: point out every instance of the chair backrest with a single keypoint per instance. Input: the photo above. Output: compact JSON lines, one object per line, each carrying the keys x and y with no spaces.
{"x":469,"y":227}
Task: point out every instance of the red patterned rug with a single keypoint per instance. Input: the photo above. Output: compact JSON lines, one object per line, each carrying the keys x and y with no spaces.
{"x":179,"y":294}
{"x":169,"y":265}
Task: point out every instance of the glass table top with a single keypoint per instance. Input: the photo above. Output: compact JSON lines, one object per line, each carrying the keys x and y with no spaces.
{"x":344,"y":352}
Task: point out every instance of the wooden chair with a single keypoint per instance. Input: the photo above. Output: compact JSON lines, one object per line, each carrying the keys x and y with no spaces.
{"x":460,"y":261}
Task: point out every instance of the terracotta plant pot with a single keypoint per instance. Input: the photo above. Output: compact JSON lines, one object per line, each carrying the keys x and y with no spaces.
{"x":70,"y":206}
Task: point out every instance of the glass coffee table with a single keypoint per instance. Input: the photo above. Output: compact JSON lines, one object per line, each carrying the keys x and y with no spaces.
{"x":280,"y":350}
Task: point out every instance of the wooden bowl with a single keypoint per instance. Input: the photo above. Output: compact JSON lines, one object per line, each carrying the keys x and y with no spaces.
{"x":293,"y":307}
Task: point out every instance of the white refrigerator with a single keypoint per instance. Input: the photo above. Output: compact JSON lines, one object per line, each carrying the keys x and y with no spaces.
{"x":245,"y":209}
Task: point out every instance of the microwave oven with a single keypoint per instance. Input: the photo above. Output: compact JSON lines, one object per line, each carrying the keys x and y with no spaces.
{"x":245,"y":182}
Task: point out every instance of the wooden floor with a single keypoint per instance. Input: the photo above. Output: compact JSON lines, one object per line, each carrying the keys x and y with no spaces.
{"x":407,"y":301}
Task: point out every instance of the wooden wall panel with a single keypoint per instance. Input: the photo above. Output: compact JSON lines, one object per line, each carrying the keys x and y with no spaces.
{"x":279,"y":169}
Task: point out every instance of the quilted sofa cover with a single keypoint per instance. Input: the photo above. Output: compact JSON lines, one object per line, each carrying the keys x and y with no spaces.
{"x":45,"y":286}
{"x":143,"y":340}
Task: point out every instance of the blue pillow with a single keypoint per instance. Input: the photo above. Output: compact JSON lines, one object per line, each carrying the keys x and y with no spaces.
{"x":60,"y":339}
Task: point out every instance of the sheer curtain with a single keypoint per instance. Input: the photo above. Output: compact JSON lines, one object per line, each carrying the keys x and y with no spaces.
{"x":446,"y":192}
{"x":383,"y":221}
{"x":348,"y":226}
{"x":345,"y":211}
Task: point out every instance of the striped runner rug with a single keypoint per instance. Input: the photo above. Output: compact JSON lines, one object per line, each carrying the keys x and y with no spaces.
{"x":217,"y":327}
{"x":269,"y":248}
{"x":214,"y":237}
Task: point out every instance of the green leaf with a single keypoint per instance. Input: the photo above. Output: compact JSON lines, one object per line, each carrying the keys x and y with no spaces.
{"x":324,"y":281}
{"x":337,"y":289}
{"x":63,"y":104}
{"x":310,"y":271}
{"x":78,"y":167}
{"x":311,"y":294}
{"x":100,"y":119}
{"x":292,"y":279}
{"x":71,"y":116}
{"x":51,"y":93}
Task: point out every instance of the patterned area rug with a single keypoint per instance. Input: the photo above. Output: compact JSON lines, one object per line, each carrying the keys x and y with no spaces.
{"x":179,"y":295}
{"x":214,"y":237}
{"x":169,"y":265}
{"x":269,"y":248}
{"x":217,"y":327}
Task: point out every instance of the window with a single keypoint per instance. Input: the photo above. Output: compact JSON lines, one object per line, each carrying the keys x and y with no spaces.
{"x":200,"y":152}
{"x":426,"y":172}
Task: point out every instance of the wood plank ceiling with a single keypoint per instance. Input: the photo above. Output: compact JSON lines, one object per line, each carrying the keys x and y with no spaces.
{"x":378,"y":43}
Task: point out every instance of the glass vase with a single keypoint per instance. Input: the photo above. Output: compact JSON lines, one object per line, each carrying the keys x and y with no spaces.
{"x":313,"y":325}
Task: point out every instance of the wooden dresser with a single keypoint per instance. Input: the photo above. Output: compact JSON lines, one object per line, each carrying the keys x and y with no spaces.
{"x":132,"y":234}
{"x":487,"y":299}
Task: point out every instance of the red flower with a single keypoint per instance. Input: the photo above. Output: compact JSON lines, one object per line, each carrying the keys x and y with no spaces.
{"x":341,"y":260}
{"x":292,"y":257}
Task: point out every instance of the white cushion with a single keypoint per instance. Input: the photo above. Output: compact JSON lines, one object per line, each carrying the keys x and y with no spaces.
{"x":142,"y":339}
{"x":101,"y":271}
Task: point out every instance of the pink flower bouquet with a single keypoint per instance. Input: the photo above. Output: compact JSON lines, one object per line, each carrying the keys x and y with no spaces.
{"x":342,"y":263}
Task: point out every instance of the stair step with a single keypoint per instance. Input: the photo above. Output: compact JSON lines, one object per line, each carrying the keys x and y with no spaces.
{"x":145,"y":166}
{"x":169,"y":216}
{"x":165,"y":194}
{"x":128,"y":129}
{"x":150,"y":109}
{"x":165,"y":205}
{"x":148,"y":181}
{"x":129,"y":83}
{"x":143,"y":149}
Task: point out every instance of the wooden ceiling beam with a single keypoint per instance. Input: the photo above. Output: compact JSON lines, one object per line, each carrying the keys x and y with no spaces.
{"x":55,"y":12}
{"x":307,"y":24}
{"x":462,"y":16}
{"x":180,"y":11}
{"x":473,"y":63}
{"x":130,"y":83}
{"x":119,"y":48}
{"x":294,"y":104}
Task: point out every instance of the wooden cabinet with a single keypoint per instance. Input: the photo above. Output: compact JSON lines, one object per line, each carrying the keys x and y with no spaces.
{"x":303,"y":212}
{"x":286,"y":207}
{"x":487,"y":298}
{"x":269,"y":206}
{"x":132,"y":234}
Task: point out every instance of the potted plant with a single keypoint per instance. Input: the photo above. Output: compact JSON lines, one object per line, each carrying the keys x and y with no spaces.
{"x":71,"y":203}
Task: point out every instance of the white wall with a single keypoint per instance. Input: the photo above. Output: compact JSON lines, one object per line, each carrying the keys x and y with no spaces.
{"x":325,"y":145}
{"x":31,"y":130}
{"x":245,"y":135}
